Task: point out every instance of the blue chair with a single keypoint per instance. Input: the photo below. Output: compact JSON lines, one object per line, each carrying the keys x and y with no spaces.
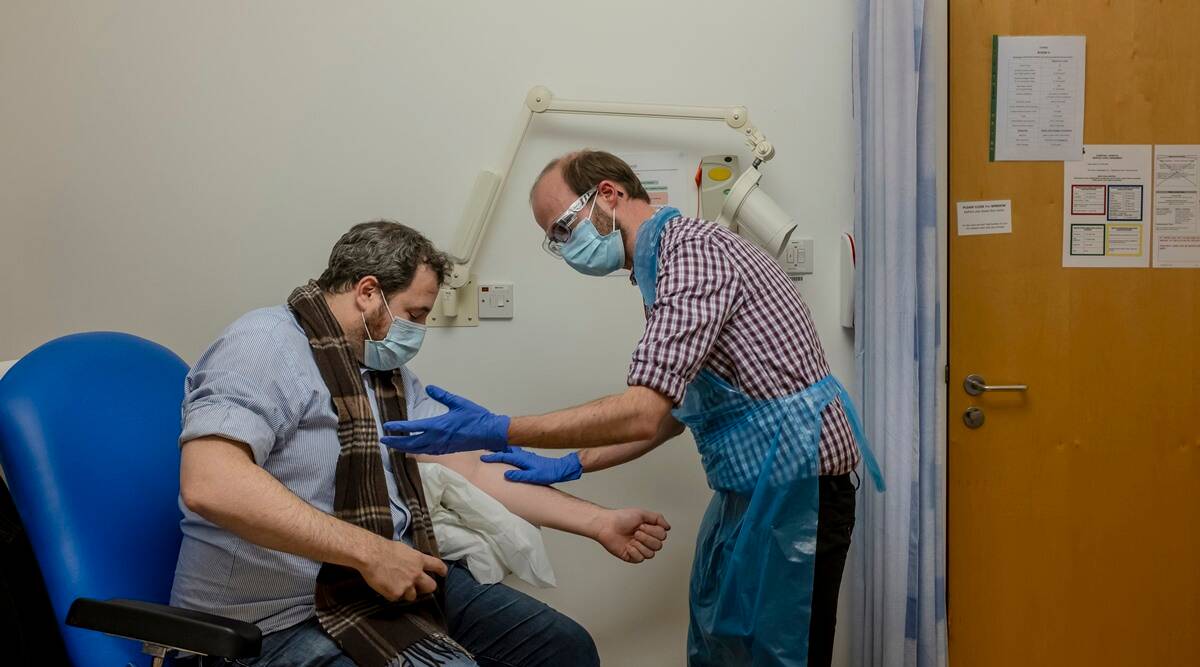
{"x":89,"y":428}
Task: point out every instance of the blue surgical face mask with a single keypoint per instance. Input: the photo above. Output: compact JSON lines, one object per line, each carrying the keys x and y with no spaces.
{"x":592,"y":254}
{"x":398,"y":347}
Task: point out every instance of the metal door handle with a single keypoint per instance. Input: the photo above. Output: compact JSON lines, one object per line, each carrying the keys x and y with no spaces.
{"x":976,"y":385}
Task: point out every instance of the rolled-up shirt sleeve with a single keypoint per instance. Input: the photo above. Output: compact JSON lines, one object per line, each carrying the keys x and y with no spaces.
{"x":698,"y":289}
{"x":245,"y":388}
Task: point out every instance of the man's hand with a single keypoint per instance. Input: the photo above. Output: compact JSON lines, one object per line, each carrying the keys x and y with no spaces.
{"x":465,"y":427}
{"x":396,"y":570}
{"x":632,"y":535}
{"x":535,"y":468}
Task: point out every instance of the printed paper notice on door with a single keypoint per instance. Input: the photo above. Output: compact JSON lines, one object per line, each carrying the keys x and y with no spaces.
{"x":984,"y":217}
{"x":1037,"y":98}
{"x":1106,"y":212}
{"x":1177,"y":206}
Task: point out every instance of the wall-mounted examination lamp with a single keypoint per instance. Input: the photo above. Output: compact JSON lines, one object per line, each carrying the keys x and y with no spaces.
{"x":747,"y":206}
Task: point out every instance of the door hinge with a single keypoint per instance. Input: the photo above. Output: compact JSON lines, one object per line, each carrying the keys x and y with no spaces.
{"x":946,"y":374}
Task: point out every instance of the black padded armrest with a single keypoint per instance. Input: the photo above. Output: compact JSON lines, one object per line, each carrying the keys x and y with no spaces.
{"x":193,"y":631}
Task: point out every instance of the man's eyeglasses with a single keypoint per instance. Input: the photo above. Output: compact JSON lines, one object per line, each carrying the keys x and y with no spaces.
{"x":560,"y":230}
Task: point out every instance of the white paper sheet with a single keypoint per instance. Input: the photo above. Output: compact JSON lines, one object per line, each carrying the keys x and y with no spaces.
{"x":1106,"y":212}
{"x":984,"y":217}
{"x":662,"y":174}
{"x":1037,"y":98}
{"x":1177,"y":206}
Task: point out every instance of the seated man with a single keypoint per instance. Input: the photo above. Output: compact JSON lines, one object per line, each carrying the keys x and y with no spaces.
{"x":297,"y":519}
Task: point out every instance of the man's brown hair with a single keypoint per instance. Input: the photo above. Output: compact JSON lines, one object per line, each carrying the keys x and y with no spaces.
{"x":388,"y":250}
{"x":582,"y":170}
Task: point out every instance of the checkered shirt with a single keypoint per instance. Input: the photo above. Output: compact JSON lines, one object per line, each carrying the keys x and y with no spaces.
{"x":724,"y":304}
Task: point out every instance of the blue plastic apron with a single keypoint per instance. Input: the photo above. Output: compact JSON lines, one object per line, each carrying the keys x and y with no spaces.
{"x":752,"y":575}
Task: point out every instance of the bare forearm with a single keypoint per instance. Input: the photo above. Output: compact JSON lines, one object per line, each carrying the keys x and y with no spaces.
{"x":220,"y":482}
{"x":630,"y":534}
{"x":621,"y":418}
{"x":539,"y":505}
{"x":601,"y":458}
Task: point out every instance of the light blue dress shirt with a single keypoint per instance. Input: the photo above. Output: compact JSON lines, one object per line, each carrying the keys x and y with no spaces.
{"x":258,"y":384}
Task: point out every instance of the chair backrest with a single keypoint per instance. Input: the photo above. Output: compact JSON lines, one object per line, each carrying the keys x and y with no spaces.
{"x":89,"y":428}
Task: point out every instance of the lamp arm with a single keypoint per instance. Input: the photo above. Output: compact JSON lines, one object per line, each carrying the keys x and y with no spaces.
{"x":486,"y":194}
{"x":481,"y":207}
{"x":541,"y":100}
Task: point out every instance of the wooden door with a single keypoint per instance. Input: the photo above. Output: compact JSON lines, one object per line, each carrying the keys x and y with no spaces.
{"x":1074,"y":512}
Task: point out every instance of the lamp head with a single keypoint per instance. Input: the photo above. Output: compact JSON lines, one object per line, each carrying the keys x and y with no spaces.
{"x":749,"y":208}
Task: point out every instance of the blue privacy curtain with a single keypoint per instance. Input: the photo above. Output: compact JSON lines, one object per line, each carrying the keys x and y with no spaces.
{"x":897,"y":570}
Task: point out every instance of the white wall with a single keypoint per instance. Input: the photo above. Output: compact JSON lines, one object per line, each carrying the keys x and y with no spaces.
{"x":167,"y":166}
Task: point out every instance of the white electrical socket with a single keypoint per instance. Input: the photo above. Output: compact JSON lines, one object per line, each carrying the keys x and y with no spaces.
{"x":797,"y":258}
{"x":495,"y":301}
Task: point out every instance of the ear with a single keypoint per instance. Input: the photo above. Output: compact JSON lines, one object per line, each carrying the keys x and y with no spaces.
{"x":610,"y":192}
{"x":367,"y":294}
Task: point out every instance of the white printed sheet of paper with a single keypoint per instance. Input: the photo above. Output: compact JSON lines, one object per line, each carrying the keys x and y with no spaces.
{"x":976,"y":218}
{"x":1177,"y":207}
{"x":1106,"y":212}
{"x":1037,"y":98}
{"x":662,"y":173}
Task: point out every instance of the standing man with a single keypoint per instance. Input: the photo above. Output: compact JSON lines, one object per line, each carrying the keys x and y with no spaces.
{"x":730,"y":351}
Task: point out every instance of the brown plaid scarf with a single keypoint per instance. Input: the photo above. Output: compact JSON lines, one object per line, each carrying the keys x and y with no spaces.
{"x":368,"y":628}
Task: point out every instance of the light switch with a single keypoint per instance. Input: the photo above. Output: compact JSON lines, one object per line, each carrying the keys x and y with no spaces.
{"x":797,"y":257}
{"x":495,"y":301}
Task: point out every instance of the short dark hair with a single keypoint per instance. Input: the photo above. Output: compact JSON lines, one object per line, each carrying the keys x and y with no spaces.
{"x":388,"y":250}
{"x":583,"y":169}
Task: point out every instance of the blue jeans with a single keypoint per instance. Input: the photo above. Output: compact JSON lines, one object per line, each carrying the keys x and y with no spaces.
{"x":500,"y":626}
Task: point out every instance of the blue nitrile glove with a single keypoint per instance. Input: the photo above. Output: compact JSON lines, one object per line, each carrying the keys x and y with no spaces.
{"x":537,"y":469}
{"x":466,"y":427}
